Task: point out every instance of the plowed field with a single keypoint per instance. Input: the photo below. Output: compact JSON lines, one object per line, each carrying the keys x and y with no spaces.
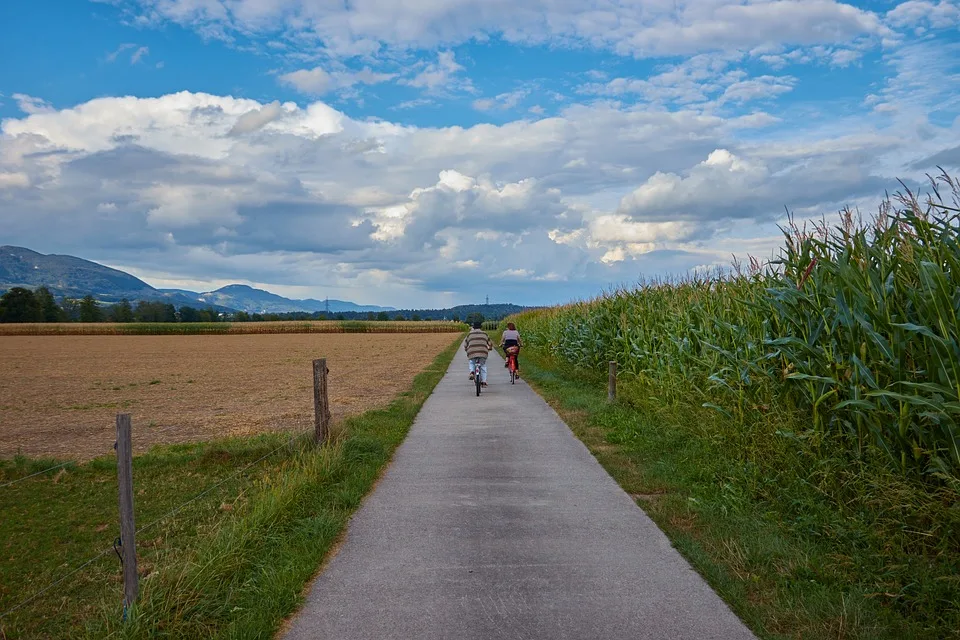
{"x":59,"y":395}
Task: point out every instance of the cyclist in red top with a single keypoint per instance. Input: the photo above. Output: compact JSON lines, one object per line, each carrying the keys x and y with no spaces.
{"x":511,"y":338}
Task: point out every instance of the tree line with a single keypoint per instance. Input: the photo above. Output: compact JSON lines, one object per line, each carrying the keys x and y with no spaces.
{"x":23,"y":305}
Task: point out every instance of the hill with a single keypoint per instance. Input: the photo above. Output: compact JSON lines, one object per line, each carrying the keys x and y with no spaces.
{"x":67,"y":275}
{"x":251,"y":300}
{"x":72,"y":277}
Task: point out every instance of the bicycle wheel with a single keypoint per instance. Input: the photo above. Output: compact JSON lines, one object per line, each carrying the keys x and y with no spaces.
{"x":476,"y":379}
{"x":513,"y":371}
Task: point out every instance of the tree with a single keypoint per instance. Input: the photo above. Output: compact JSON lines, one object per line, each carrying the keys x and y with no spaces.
{"x":209,"y":315}
{"x":155,"y":312}
{"x":71,"y":309}
{"x":49,"y":310}
{"x":471,"y":318}
{"x":340,"y":316}
{"x":383,"y":316}
{"x":399,"y":317}
{"x":20,"y":305}
{"x":241,"y":316}
{"x":189,"y":314}
{"x":90,"y":310}
{"x":122,"y":311}
{"x":415,"y":317}
{"x":371,"y":316}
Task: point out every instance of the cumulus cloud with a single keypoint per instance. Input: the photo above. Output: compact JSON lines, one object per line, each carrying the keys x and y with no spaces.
{"x":256,"y":119}
{"x":191,"y":183}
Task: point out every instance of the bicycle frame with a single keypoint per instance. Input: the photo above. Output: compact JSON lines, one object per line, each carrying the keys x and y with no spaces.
{"x":477,"y":373}
{"x":512,"y":362}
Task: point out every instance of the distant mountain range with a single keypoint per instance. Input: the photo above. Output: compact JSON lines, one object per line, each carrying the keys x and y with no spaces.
{"x":68,"y":276}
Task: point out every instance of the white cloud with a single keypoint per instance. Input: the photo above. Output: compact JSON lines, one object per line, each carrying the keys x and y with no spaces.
{"x":113,"y":55}
{"x":758,"y":88}
{"x":32,"y":105}
{"x":624,"y":26}
{"x":257,"y":118}
{"x":916,"y":13}
{"x":139,"y":54}
{"x":188,"y":184}
{"x":14,"y":180}
{"x":437,"y":75}
{"x":318,"y":81}
{"x":507,"y":100}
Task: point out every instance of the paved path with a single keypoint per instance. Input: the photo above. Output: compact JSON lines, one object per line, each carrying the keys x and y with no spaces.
{"x":494,"y":521}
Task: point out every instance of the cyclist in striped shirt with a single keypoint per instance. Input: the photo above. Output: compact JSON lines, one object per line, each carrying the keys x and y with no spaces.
{"x":478,"y":346}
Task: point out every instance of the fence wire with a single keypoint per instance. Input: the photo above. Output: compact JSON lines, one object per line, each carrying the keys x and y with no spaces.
{"x":170,"y":513}
{"x":38,"y":473}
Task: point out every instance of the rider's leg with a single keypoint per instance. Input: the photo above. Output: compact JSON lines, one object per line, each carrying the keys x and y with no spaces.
{"x":470,"y":363}
{"x":483,"y":369}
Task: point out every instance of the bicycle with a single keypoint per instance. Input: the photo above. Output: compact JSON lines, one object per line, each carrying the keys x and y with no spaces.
{"x":512,"y":362}
{"x":477,"y":372}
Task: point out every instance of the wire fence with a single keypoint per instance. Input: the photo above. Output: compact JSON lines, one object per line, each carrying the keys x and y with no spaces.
{"x":38,"y":473}
{"x":287,"y":444}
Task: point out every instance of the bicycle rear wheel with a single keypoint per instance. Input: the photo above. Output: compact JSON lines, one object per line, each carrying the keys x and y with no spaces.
{"x":476,"y":379}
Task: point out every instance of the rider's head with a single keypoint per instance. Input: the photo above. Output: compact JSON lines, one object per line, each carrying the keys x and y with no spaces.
{"x":478,"y":325}
{"x":511,"y":326}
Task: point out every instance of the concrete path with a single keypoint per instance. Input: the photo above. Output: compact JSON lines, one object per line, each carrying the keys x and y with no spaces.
{"x":494,"y":521}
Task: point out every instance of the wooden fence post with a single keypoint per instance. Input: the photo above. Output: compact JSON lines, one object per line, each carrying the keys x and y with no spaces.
{"x":612,"y":382}
{"x":321,"y":404}
{"x":128,"y":543}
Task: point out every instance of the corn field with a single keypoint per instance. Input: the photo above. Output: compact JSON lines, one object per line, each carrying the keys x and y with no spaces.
{"x":856,"y":326}
{"x":221,"y":328}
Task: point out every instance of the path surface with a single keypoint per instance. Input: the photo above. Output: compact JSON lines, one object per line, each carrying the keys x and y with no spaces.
{"x":494,"y":521}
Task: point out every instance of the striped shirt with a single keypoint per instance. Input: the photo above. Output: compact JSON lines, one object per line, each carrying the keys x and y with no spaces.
{"x":477,"y":344}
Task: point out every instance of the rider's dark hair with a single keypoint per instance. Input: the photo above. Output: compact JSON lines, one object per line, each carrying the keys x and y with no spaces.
{"x":511,"y":326}
{"x":478,"y":325}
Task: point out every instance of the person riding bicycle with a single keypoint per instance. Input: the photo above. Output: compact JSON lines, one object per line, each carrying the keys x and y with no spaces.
{"x":511,"y":338}
{"x":478,"y":346}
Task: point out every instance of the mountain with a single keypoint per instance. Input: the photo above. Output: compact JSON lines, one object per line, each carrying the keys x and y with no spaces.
{"x":68,"y":276}
{"x":494,"y":311}
{"x":244,"y":298}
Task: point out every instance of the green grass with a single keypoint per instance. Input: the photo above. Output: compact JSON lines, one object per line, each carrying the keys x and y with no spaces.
{"x":760,"y":517}
{"x":232,"y":564}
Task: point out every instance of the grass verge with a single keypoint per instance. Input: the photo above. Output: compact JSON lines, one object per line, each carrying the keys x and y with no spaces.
{"x":231,"y":564}
{"x":790,"y":559}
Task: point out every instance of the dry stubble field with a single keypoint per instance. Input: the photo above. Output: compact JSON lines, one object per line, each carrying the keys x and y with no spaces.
{"x":59,"y":395}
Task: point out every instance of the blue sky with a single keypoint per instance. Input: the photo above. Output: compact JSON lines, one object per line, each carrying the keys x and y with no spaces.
{"x":432,"y":152}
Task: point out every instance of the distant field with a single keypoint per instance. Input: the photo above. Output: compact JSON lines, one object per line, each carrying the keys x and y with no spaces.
{"x":59,"y":396}
{"x":226,"y":328}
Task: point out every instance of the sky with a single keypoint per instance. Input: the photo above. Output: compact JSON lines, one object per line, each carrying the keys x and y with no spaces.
{"x":426,"y":153}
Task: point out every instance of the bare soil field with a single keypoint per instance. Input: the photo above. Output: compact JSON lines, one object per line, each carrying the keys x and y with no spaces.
{"x":59,"y":395}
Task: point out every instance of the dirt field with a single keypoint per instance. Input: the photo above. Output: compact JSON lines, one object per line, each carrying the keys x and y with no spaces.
{"x":59,"y":395}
